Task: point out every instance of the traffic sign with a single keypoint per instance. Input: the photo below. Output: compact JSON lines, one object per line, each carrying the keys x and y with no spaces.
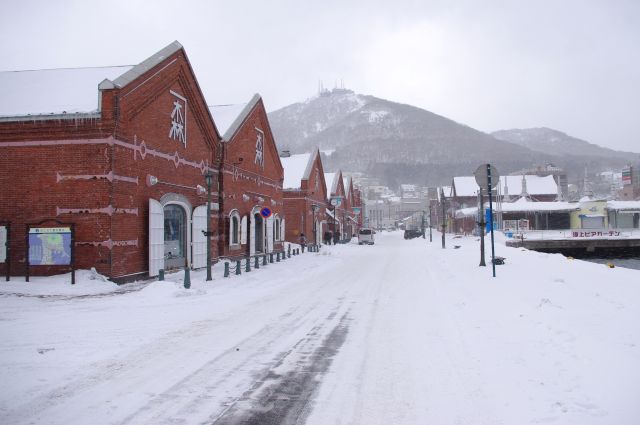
{"x":482,"y":177}
{"x":265,"y":212}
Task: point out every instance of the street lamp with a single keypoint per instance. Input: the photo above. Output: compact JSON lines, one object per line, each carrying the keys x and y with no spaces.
{"x":208,"y":178}
{"x":315,"y":208}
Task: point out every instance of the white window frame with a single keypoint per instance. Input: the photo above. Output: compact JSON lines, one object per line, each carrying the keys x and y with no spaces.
{"x":234,"y":230}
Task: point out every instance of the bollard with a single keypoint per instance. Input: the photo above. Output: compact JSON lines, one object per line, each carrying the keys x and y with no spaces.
{"x":289,"y":251}
{"x":248,"y":266}
{"x":264,"y":260}
{"x":256,"y":263}
{"x":187,"y":278}
{"x":238,"y":267}
{"x":271,"y":258}
{"x":226,"y":269}
{"x":161,"y":274}
{"x":277,"y":257}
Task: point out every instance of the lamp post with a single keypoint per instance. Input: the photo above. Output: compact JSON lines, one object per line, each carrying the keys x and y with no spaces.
{"x":430,"y":237}
{"x":315,"y":208}
{"x":444,"y":225}
{"x":208,"y":178}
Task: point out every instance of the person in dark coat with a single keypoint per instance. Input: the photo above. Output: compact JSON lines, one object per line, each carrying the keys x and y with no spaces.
{"x":303,"y":241}
{"x":327,"y":238}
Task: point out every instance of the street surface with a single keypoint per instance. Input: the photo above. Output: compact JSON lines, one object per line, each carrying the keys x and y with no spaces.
{"x":401,"y":332}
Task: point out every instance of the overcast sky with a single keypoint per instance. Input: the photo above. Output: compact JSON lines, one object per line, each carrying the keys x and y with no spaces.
{"x":569,"y":65}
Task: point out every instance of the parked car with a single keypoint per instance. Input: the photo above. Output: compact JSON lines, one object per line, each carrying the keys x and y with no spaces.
{"x":412,"y":233}
{"x":365,"y":236}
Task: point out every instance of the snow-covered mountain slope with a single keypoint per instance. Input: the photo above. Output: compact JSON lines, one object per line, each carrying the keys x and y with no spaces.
{"x":401,"y":143}
{"x":367,"y":132}
{"x":556,"y":142}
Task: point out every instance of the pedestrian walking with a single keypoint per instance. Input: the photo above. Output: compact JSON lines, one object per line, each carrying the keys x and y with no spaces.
{"x":303,"y":241}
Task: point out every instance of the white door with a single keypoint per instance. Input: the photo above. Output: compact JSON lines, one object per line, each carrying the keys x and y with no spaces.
{"x":156,"y":237}
{"x":282,"y":233}
{"x":252,"y":234}
{"x":199,"y":240}
{"x":270,"y":234}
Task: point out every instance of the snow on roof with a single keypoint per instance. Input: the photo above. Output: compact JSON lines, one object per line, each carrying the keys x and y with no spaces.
{"x":467,"y":212}
{"x":447,"y":191}
{"x":347,"y":186}
{"x":229,"y":118}
{"x":523,"y":205}
{"x":536,"y":185}
{"x":295,"y":168}
{"x":53,"y":91}
{"x":465,"y":186}
{"x":329,"y":181}
{"x":225,"y":115}
{"x":623,"y":205}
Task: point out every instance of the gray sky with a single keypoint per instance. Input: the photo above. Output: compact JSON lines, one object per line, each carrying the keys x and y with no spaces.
{"x":569,"y":65}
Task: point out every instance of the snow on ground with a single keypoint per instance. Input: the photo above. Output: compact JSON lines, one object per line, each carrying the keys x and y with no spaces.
{"x":402,"y":332}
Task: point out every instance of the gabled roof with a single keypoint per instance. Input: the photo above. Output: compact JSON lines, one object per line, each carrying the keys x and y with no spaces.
{"x":536,"y":185}
{"x":67,"y":92}
{"x":331,"y":182}
{"x":464,"y":186}
{"x":296,"y":168}
{"x":229,"y":118}
{"x":146,"y":65}
{"x":346,"y":181}
{"x":57,"y":92}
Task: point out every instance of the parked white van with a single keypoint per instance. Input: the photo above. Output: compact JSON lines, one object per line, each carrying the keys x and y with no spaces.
{"x":365,"y":236}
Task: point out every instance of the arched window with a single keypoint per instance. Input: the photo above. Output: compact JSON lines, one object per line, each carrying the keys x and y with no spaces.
{"x":234,"y":228}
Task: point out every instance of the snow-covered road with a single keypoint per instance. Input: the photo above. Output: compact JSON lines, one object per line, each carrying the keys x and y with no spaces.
{"x":401,"y":332}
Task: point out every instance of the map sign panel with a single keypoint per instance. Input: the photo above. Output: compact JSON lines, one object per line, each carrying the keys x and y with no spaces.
{"x":3,"y":244}
{"x":49,"y":246}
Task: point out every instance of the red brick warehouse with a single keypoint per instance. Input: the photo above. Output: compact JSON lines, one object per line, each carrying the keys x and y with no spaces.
{"x":305,"y":196}
{"x":251,"y":180}
{"x":121,"y":152}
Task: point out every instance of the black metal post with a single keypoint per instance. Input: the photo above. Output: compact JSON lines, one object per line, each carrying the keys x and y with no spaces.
{"x":481,"y":225}
{"x":493,"y":253}
{"x":444,"y":225}
{"x":208,"y":178}
{"x":72,"y":249}
{"x":430,"y":236}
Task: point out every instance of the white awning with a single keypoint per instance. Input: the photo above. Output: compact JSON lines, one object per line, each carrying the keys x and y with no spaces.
{"x":330,"y":214}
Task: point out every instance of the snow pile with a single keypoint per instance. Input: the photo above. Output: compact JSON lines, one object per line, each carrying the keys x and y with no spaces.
{"x":401,"y":332}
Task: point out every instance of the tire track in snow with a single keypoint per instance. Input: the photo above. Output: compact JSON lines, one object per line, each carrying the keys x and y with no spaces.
{"x":197,"y":388}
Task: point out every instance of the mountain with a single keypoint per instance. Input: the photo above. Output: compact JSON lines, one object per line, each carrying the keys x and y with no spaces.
{"x":557,"y":143}
{"x":400,"y":143}
{"x":389,"y":140}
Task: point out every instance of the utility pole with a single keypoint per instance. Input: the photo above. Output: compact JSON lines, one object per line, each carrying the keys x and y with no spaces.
{"x":444,"y":225}
{"x":481,"y":225}
{"x":430,"y":237}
